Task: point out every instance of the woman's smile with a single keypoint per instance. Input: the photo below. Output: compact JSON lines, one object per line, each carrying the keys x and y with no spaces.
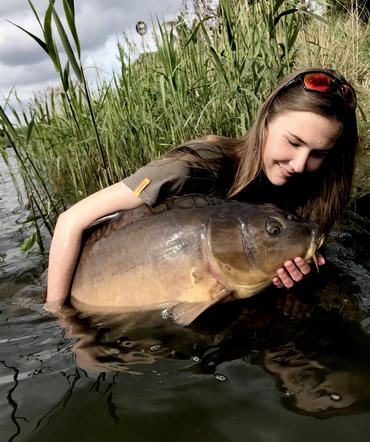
{"x":297,"y":142}
{"x":285,"y":172}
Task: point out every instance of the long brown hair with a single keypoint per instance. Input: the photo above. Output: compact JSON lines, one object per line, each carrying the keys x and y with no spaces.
{"x":330,"y":185}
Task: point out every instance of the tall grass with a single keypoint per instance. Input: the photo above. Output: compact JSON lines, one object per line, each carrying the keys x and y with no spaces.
{"x":207,"y":77}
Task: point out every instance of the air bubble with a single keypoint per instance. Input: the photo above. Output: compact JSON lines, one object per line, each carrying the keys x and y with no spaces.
{"x":220,"y":377}
{"x":195,"y":359}
{"x":335,"y":397}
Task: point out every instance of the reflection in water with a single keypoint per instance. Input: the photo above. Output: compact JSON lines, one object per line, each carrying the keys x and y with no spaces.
{"x":314,"y":347}
{"x":113,"y":343}
{"x":323,"y":370}
{"x":315,"y":388}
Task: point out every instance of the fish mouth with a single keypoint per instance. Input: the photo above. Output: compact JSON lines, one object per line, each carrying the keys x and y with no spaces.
{"x":316,"y":243}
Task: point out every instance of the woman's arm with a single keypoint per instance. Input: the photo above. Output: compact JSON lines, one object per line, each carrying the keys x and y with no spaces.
{"x":66,"y":243}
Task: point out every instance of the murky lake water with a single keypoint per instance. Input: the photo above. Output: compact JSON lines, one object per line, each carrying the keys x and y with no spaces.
{"x":263,"y":369}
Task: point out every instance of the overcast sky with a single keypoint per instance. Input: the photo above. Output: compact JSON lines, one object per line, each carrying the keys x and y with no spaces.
{"x":100,"y":24}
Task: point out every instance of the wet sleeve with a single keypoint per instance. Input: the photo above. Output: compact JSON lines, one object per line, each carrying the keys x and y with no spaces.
{"x":159,"y":179}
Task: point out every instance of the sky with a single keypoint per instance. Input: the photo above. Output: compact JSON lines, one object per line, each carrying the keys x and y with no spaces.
{"x":25,"y":67}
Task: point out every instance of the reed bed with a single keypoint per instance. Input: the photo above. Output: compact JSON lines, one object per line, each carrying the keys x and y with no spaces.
{"x":210,"y":76}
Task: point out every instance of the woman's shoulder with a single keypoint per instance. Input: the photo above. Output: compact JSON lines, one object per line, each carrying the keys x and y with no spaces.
{"x":202,"y":149}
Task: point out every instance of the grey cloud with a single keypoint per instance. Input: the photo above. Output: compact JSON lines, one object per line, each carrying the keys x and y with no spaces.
{"x":17,"y":7}
{"x":23,"y":62}
{"x":95,"y":24}
{"x":20,"y":75}
{"x":21,"y":52}
{"x":96,"y":21}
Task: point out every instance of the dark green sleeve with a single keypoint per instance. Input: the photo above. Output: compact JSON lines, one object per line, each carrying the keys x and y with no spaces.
{"x":165,"y":177}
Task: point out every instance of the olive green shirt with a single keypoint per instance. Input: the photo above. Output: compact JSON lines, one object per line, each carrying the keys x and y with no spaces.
{"x":175,"y":176}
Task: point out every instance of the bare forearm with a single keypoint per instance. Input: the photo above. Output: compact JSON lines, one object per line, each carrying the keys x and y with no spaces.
{"x":63,"y":256}
{"x":66,"y":243}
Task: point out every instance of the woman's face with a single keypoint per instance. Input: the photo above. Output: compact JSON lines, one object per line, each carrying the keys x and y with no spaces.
{"x":297,"y":142}
{"x":311,"y":385}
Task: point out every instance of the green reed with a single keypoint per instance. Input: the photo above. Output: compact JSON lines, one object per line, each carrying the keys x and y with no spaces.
{"x":207,"y":77}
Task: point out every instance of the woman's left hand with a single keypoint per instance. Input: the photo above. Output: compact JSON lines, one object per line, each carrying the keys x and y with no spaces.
{"x":294,"y":271}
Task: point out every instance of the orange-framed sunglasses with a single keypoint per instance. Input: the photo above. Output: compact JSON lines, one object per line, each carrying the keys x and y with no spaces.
{"x":327,"y":83}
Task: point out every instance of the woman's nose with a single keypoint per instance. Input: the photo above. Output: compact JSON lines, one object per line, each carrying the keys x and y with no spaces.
{"x":299,"y":162}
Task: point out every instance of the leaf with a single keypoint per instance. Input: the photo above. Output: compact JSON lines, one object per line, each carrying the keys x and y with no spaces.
{"x":29,"y":243}
{"x":70,"y":15}
{"x":65,"y":77}
{"x":6,"y":122}
{"x":282,"y":14}
{"x":35,"y":13}
{"x":67,"y":47}
{"x":49,"y":40}
{"x":218,"y":64}
{"x":196,"y":29}
{"x":277,"y":5}
{"x":317,"y":17}
{"x":29,"y":129}
{"x":37,"y":39}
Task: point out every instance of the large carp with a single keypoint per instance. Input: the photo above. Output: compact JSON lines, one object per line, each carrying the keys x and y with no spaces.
{"x":185,"y":255}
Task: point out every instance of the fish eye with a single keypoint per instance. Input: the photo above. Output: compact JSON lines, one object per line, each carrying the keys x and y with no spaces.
{"x":273,"y":227}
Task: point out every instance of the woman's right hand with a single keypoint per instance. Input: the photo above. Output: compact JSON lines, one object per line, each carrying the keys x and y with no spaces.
{"x":66,"y":242}
{"x":294,"y":271}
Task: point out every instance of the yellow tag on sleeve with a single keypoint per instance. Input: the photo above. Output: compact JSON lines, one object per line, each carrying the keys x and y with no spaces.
{"x":142,"y":186}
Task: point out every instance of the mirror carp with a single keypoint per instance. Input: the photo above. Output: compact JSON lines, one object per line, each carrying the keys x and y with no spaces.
{"x":186,"y":254}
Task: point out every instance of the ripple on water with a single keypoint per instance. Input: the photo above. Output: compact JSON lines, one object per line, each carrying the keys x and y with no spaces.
{"x":13,"y":262}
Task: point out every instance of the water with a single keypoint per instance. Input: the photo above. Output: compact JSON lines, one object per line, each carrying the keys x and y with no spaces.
{"x":263,"y":369}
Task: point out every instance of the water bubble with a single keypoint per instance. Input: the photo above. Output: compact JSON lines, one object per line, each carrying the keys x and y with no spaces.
{"x":167,"y":313}
{"x":287,"y":393}
{"x":220,"y":377}
{"x":335,"y":397}
{"x":195,"y":359}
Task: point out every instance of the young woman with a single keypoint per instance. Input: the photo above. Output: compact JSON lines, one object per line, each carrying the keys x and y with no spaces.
{"x":299,"y":155}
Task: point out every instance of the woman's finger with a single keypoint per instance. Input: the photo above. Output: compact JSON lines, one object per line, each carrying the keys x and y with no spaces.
{"x":294,"y":272}
{"x":302,"y":265}
{"x":320,"y":260}
{"x":285,"y":278}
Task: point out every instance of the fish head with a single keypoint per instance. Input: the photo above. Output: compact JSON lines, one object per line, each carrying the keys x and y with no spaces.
{"x":247,"y":243}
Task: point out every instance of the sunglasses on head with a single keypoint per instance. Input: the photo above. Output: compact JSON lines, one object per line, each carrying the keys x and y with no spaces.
{"x":326,"y":83}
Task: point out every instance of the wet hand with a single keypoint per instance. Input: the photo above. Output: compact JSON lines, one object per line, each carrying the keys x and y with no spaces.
{"x":294,"y":271}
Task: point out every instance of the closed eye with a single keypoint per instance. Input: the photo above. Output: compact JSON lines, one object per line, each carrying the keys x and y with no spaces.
{"x":319,"y":153}
{"x":293,"y":143}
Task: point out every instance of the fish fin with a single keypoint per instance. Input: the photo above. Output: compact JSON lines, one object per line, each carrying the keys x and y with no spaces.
{"x":203,"y":280}
{"x":185,"y":313}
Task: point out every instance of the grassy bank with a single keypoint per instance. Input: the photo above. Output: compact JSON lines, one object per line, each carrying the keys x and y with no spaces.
{"x":208,"y":77}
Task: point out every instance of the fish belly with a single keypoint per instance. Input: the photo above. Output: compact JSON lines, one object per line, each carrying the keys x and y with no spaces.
{"x":142,"y":267}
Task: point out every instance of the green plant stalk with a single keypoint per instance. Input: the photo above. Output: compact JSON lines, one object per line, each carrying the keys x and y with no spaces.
{"x":209,"y":77}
